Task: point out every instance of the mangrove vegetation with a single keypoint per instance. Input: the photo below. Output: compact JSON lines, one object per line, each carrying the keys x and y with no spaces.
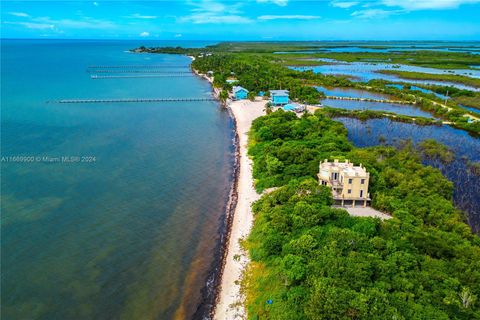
{"x":313,"y":261}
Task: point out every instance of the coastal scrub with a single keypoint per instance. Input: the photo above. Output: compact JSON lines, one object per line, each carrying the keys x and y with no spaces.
{"x":312,"y":261}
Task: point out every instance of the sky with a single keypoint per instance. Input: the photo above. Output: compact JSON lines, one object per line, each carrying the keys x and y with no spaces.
{"x":243,"y":20}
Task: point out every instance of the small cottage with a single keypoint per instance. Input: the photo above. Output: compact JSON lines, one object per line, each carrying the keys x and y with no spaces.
{"x":279,"y":97}
{"x":239,"y":93}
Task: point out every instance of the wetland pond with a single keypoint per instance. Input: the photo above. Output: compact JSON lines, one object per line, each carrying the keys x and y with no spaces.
{"x":475,"y":50}
{"x":465,"y":147}
{"x":472,"y":47}
{"x":352,"y":93}
{"x":415,"y":88}
{"x":366,"y":71}
{"x":403,"y":109}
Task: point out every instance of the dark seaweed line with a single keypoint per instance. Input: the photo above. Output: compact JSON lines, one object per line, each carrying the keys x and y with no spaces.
{"x":206,"y":308}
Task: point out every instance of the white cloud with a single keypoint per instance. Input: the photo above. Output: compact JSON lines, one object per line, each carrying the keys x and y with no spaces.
{"x":95,"y":4}
{"x":215,"y":7}
{"x":33,"y":25}
{"x":144,"y":34}
{"x":287,"y":17}
{"x":215,"y":12}
{"x":178,"y":35}
{"x":343,"y":4}
{"x":427,"y":4}
{"x":140,"y":16}
{"x":59,"y":26}
{"x":19,"y":14}
{"x":83,"y":23}
{"x":374,"y":13}
{"x":281,"y":3}
{"x":202,"y":18}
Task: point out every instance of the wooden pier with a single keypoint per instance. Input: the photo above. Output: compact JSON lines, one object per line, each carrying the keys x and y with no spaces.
{"x":139,"y":71}
{"x":370,"y":100}
{"x":138,"y":66}
{"x":143,"y":76}
{"x":132,"y":100}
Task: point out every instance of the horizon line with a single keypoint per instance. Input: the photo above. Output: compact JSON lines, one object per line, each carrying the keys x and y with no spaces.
{"x":224,"y":40}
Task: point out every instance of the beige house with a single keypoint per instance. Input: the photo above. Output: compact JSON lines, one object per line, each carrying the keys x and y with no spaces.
{"x":349,"y":183}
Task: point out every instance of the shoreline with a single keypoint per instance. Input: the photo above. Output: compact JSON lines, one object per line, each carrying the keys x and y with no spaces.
{"x":212,"y":288}
{"x":227,"y":275}
{"x":229,"y":303}
{"x":210,"y":291}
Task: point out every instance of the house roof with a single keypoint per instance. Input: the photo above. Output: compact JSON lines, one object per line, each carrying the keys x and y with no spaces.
{"x":238,"y":88}
{"x":279,"y":92}
{"x":348,"y":169}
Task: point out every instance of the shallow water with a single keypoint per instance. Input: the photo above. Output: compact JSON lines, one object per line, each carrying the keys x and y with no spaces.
{"x":396,"y":46}
{"x":131,"y":235}
{"x":466,"y":185}
{"x":394,"y":49}
{"x":354,"y":93}
{"x":471,"y":109}
{"x":382,"y":50}
{"x":404,"y":109}
{"x":363,"y":71}
{"x":415,"y":88}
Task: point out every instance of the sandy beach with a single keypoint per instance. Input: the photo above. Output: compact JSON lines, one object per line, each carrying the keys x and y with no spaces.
{"x":230,"y":301}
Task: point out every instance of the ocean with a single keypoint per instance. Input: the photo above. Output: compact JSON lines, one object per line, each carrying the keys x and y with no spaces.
{"x":109,"y":210}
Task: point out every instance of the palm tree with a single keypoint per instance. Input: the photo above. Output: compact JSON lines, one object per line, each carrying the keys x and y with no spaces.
{"x":223,"y":96}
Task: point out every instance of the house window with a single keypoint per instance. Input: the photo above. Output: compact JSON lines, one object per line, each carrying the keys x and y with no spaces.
{"x":349,"y":191}
{"x":361,"y":193}
{"x":362,"y":181}
{"x":350,"y":181}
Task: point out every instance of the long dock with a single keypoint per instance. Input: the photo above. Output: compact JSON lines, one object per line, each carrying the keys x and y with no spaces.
{"x":138,"y":66}
{"x":129,"y":100}
{"x":142,"y":76}
{"x":369,"y":100}
{"x":139,"y":71}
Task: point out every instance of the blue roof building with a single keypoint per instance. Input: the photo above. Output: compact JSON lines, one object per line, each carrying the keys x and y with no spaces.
{"x":239,"y":93}
{"x":279,"y":97}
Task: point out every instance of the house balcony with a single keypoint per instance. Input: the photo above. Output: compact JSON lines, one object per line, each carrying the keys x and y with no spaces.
{"x":335,"y":183}
{"x":339,"y":196}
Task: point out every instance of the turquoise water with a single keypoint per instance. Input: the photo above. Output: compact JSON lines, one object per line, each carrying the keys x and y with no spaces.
{"x":130,"y":230}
